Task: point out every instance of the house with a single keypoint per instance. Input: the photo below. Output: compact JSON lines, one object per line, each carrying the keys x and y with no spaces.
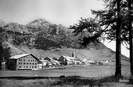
{"x":78,"y":62}
{"x":69,"y":60}
{"x":46,"y":64}
{"x":50,"y":62}
{"x":55,"y":62}
{"x":103,"y":62}
{"x":62,"y":60}
{"x":23,"y":62}
{"x":88,"y":61}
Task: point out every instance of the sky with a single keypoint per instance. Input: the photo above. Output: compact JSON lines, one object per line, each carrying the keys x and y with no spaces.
{"x":112,"y":45}
{"x":65,"y":12}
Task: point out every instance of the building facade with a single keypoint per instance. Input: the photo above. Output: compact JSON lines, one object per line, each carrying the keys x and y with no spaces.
{"x":23,"y":62}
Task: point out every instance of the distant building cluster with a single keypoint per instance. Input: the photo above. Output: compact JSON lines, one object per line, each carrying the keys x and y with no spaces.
{"x":31,"y":62}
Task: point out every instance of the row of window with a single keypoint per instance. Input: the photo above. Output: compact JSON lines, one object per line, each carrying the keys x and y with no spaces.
{"x":27,"y":63}
{"x":27,"y":66}
{"x":27,"y":60}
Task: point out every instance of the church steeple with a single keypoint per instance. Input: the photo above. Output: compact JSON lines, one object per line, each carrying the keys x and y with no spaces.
{"x":74,"y":53}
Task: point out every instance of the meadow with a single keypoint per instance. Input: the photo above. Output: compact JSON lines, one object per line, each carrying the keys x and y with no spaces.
{"x":93,"y":71}
{"x":74,"y":76}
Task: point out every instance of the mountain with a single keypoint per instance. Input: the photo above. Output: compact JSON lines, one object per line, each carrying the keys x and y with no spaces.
{"x":38,"y":25}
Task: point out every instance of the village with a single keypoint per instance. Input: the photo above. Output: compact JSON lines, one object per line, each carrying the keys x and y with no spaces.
{"x":66,"y":43}
{"x":31,"y":62}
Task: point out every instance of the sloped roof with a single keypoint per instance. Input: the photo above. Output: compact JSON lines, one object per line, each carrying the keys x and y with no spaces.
{"x":51,"y":60}
{"x":19,"y":56}
{"x":23,"y":55}
{"x":69,"y":58}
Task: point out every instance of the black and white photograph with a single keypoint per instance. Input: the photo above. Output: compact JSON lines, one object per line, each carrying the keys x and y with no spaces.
{"x":66,"y":43}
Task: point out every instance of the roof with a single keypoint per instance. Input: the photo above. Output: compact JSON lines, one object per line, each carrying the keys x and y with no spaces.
{"x":44,"y":60}
{"x":23,"y":55}
{"x":19,"y":56}
{"x":69,"y":58}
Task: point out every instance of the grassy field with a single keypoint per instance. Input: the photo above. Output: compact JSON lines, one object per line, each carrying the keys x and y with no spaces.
{"x":83,"y":71}
{"x":76,"y":76}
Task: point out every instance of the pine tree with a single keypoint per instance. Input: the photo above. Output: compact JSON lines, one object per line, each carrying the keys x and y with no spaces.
{"x":118,"y":43}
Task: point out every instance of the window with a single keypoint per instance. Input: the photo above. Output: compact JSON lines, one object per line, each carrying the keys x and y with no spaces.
{"x":19,"y":66}
{"x":26,"y":66}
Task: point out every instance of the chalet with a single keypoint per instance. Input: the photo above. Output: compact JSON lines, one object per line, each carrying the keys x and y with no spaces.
{"x":70,"y":60}
{"x":23,"y":62}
